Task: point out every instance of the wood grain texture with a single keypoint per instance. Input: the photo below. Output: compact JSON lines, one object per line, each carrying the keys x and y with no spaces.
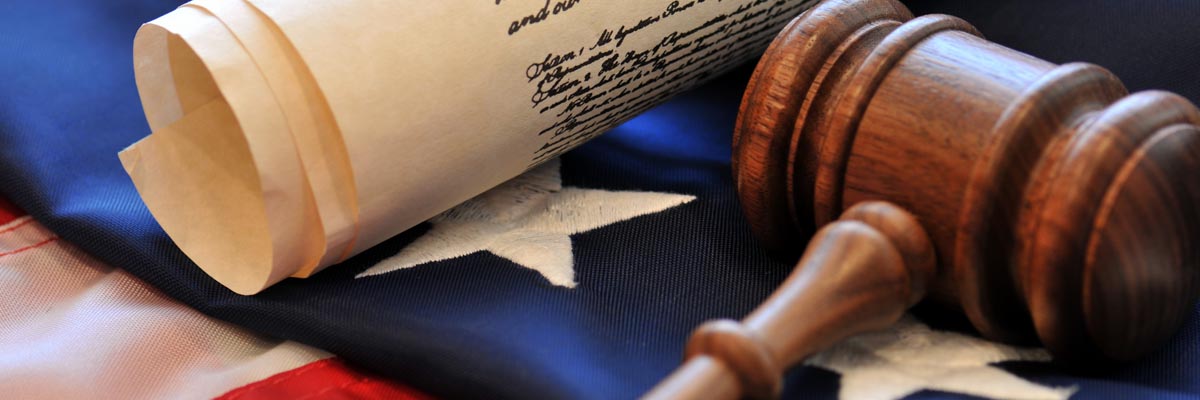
{"x":1044,"y":202}
{"x":791,"y":68}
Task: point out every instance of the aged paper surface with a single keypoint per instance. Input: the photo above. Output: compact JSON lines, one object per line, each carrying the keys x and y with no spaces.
{"x":361,"y":118}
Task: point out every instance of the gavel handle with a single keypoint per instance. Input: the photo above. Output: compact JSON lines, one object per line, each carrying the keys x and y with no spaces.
{"x":857,"y":275}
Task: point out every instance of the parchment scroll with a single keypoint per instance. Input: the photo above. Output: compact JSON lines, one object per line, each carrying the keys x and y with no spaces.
{"x":288,"y":136}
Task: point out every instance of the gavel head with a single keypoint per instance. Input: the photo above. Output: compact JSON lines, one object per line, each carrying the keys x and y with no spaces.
{"x":1061,"y":208}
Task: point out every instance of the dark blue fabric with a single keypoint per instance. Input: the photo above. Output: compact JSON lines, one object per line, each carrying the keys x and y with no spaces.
{"x":478,"y":325}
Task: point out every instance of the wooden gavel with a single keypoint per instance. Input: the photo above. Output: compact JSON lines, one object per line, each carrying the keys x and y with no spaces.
{"x":1044,"y":202}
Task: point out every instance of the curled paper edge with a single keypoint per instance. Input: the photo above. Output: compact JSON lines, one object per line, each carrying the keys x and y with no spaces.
{"x":317,"y":137}
{"x":188,"y":62}
{"x":222,"y":156}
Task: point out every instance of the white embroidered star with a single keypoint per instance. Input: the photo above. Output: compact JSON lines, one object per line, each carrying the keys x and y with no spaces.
{"x":527,"y":220}
{"x":910,"y":357}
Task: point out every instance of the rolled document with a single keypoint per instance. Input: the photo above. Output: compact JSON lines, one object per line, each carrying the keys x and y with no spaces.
{"x":288,"y":136}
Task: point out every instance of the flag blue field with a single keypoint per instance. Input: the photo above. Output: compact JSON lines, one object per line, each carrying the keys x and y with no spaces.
{"x":584,"y":278}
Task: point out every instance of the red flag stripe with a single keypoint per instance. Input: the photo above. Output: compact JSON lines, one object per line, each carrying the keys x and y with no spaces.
{"x":330,"y":378}
{"x":8,"y":211}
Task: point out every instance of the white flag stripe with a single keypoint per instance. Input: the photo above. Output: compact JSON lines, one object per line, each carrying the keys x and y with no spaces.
{"x":72,"y":327}
{"x":7,"y":228}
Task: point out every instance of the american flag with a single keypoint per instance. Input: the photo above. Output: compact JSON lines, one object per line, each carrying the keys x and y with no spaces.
{"x":638,"y":239}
